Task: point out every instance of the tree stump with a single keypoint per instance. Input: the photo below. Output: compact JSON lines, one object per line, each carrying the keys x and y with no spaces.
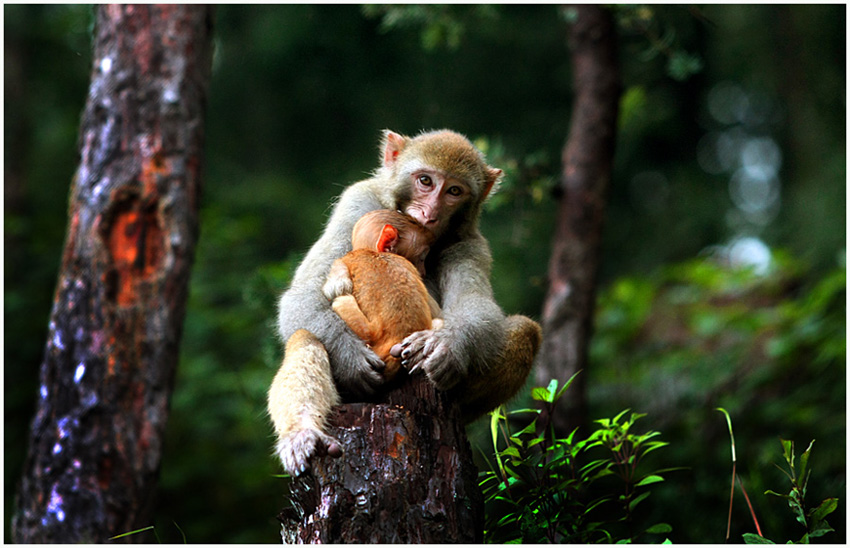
{"x":406,"y":476}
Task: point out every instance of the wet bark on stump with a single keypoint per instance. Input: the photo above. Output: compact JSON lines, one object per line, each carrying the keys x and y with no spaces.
{"x":406,"y":476}
{"x":112,"y":343}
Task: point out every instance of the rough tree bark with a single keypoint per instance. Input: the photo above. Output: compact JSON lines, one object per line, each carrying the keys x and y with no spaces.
{"x":112,"y":345}
{"x":587,"y":164}
{"x":407,"y":476}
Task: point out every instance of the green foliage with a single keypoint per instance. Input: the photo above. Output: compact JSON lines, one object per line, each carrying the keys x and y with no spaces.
{"x":813,"y":519}
{"x":298,"y":98}
{"x":442,"y":25}
{"x":648,"y":21}
{"x":768,"y":347}
{"x":548,"y":489}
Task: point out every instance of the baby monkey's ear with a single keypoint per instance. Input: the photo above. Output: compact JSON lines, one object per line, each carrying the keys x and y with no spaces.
{"x":387,"y":240}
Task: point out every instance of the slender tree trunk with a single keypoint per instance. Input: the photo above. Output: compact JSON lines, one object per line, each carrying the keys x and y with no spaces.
{"x":112,"y":344}
{"x":407,"y":476}
{"x":587,"y":165}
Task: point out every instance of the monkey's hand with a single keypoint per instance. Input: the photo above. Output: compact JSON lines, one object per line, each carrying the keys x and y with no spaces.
{"x":338,"y":282}
{"x":298,"y":448}
{"x":432,"y":352}
{"x":360,"y":372}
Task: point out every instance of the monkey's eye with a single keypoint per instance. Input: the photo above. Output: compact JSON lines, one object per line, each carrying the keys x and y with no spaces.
{"x":455,"y":191}
{"x":425,"y":180}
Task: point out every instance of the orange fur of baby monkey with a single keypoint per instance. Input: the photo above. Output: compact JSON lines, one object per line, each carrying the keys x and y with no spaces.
{"x":388,"y":300}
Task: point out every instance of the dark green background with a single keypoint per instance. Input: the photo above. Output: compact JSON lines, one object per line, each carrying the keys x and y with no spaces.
{"x":299,"y":96}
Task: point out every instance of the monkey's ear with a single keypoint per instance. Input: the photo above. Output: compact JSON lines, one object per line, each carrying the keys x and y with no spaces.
{"x":387,"y":240}
{"x":393,"y":144}
{"x":492,"y":177}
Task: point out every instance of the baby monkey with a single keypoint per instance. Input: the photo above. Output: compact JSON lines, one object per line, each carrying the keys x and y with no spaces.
{"x":377,"y":287}
{"x":378,"y":291}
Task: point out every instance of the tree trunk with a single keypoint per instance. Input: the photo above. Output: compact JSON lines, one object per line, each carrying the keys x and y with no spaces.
{"x":407,"y":476}
{"x":112,"y":345}
{"x":587,"y":165}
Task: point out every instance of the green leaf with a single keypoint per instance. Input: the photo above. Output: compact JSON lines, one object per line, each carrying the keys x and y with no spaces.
{"x":637,"y":500}
{"x":659,"y":528}
{"x":535,"y":441}
{"x":137,"y":531}
{"x":804,"y":459}
{"x":524,"y":410}
{"x":729,"y":425}
{"x":780,"y":495}
{"x":511,"y":452}
{"x":541,"y":394}
{"x":788,"y":453}
{"x":567,"y":385}
{"x":826,"y":507}
{"x":495,"y":416}
{"x":531,"y":428}
{"x":654,"y":445}
{"x":752,"y":538}
{"x":821,"y":530}
{"x":616,"y":420}
{"x":649,"y":480}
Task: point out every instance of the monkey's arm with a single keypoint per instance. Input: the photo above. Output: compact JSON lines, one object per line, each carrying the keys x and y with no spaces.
{"x":338,"y":282}
{"x":473,"y":331}
{"x":356,"y":368}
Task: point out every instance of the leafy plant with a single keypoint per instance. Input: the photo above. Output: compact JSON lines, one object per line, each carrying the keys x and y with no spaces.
{"x":813,"y":519}
{"x":547,"y":489}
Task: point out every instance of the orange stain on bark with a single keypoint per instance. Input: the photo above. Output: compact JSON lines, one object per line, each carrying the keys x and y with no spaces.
{"x":153,"y":168}
{"x":135,"y":242}
{"x":392,"y":450}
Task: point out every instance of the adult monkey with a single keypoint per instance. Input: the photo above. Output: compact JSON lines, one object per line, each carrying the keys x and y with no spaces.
{"x":440,"y":179}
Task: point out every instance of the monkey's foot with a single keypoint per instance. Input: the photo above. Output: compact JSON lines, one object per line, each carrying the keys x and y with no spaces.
{"x":297,"y":449}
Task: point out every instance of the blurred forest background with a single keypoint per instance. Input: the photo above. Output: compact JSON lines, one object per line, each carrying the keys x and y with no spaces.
{"x":723,"y":272}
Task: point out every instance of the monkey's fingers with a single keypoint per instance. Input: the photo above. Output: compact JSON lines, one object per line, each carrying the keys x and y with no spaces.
{"x":439,"y":362}
{"x":374,"y":361}
{"x":297,"y":449}
{"x":328,"y":445}
{"x":442,"y":369}
{"x":415,"y":349}
{"x":365,"y":374}
{"x":395,"y":351}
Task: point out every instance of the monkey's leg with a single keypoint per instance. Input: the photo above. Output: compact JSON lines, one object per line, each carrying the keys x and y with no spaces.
{"x":347,"y":308}
{"x":300,"y":399}
{"x":484,"y":390}
{"x":338,"y":282}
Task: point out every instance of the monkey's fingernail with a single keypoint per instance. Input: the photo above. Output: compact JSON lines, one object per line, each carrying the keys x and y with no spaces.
{"x":413,"y":369}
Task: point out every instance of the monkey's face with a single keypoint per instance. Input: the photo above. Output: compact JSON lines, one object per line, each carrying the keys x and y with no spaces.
{"x":435,"y":198}
{"x":439,"y":178}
